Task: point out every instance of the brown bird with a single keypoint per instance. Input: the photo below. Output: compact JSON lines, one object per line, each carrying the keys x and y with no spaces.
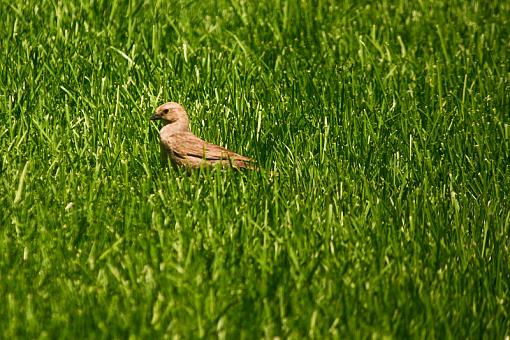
{"x":185,"y":149}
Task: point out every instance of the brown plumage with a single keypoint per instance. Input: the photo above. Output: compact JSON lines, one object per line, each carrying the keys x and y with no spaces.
{"x":185,"y":149}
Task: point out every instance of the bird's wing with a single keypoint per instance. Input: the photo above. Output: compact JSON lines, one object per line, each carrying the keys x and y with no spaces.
{"x":185,"y":145}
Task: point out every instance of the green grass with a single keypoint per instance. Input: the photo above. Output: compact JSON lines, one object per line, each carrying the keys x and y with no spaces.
{"x":388,"y":123}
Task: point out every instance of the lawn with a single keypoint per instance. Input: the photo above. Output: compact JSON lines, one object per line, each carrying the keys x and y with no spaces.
{"x":381,"y":210}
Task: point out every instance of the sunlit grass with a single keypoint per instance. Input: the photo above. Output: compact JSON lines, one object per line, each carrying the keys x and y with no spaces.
{"x":388,"y":126}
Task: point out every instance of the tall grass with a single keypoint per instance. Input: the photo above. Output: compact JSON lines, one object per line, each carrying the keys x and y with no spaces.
{"x":388,"y":126}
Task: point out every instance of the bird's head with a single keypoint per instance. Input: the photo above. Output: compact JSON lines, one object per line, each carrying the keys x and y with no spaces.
{"x":169,"y":113}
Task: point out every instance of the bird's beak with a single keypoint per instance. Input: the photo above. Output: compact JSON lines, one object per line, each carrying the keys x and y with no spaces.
{"x":155,"y":117}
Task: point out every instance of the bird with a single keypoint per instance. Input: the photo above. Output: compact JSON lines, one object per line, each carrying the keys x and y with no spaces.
{"x":187,"y":150}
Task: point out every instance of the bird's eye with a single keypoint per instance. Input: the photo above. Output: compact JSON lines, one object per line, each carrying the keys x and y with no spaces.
{"x":165,"y":111}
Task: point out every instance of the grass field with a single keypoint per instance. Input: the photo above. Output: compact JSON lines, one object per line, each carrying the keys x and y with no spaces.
{"x":387,"y":122}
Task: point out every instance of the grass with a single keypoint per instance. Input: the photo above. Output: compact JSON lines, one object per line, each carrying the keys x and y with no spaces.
{"x":388,"y":124}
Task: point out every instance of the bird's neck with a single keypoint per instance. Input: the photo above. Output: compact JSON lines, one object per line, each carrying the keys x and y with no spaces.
{"x":180,"y":125}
